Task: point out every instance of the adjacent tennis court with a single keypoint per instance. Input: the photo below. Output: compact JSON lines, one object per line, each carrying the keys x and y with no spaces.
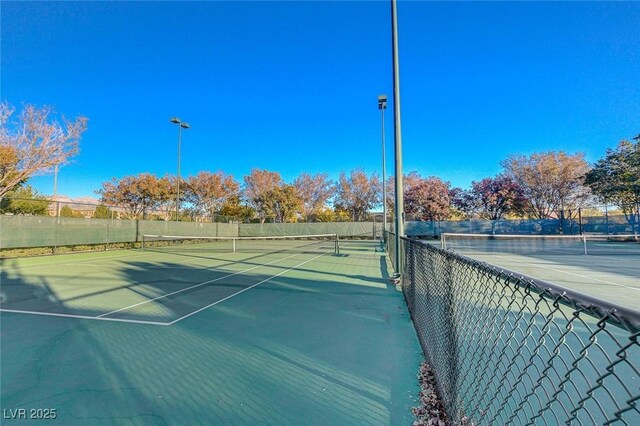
{"x":603,"y":266}
{"x":192,"y":332}
{"x":509,"y":348}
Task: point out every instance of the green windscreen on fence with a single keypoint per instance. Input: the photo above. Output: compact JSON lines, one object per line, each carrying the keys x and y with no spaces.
{"x":194,"y":229}
{"x":569,"y":226}
{"x":19,"y":231}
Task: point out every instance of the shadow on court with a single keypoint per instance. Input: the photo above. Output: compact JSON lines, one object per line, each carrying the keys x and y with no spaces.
{"x":329,"y":342}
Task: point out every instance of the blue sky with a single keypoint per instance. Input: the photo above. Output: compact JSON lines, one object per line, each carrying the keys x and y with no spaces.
{"x":293,"y":86}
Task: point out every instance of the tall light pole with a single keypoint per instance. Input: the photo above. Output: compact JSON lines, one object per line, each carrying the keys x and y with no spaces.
{"x":55,"y":181}
{"x":382,"y":105}
{"x":55,"y":190}
{"x":181,"y":125}
{"x":399,"y":216}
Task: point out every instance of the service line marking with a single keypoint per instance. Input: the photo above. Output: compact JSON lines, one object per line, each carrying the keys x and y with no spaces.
{"x":243,"y":290}
{"x":103,"y":317}
{"x":194,"y":286}
{"x":53,"y":314}
{"x":535,"y":265}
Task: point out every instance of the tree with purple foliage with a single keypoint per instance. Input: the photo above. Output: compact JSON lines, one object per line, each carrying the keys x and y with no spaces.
{"x":409,"y":181}
{"x":462,"y":202}
{"x":494,"y":198}
{"x":428,"y":199}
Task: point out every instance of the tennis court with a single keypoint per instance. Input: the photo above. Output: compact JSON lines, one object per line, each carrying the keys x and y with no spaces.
{"x":508,"y":348}
{"x":200,"y":334}
{"x":606,"y":267}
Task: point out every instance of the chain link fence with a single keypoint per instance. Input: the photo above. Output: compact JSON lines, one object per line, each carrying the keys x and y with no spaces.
{"x":509,"y":349}
{"x":606,"y":219}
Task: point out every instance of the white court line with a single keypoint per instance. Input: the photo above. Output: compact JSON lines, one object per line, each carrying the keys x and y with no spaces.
{"x":84,"y":261}
{"x":194,"y":286}
{"x":242,"y":291}
{"x":51,"y":314}
{"x":83,"y":264}
{"x":568,"y":273}
{"x":62,"y":261}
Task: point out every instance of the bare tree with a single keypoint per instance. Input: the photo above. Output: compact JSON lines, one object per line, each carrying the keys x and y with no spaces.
{"x":313,"y":191}
{"x":34,"y":143}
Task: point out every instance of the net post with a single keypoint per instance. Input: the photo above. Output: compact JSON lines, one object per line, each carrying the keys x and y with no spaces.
{"x":443,"y":243}
{"x":142,"y":242}
{"x":336,"y":249}
{"x":234,"y":245}
{"x":584,"y":243}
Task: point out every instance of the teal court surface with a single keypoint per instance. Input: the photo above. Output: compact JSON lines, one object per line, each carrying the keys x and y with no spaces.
{"x":610,"y":278}
{"x":608,"y":270}
{"x":197,"y":336}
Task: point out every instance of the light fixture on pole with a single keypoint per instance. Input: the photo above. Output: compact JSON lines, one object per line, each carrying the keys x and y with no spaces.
{"x":382,"y":105}
{"x":181,"y":125}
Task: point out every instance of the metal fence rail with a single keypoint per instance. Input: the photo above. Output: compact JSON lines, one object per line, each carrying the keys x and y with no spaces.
{"x":509,"y":349}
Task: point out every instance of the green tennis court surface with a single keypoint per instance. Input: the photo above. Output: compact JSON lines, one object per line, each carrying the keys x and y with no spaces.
{"x":172,"y":336}
{"x":610,"y":269}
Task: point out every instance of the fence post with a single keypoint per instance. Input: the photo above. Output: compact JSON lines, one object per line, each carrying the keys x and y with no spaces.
{"x":580,"y":220}
{"x":374,"y":226}
{"x":637,"y":224}
{"x":106,"y":246}
{"x":55,"y":228}
{"x":451,"y":327}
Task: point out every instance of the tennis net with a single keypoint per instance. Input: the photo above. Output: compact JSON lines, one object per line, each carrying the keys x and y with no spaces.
{"x":592,"y":244}
{"x":322,"y":243}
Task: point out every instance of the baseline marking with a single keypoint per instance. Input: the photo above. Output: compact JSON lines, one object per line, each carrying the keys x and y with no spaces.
{"x":52,"y":314}
{"x":62,"y":261}
{"x":568,"y":273}
{"x":133,"y":253}
{"x":242,"y":291}
{"x":194,"y":286}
